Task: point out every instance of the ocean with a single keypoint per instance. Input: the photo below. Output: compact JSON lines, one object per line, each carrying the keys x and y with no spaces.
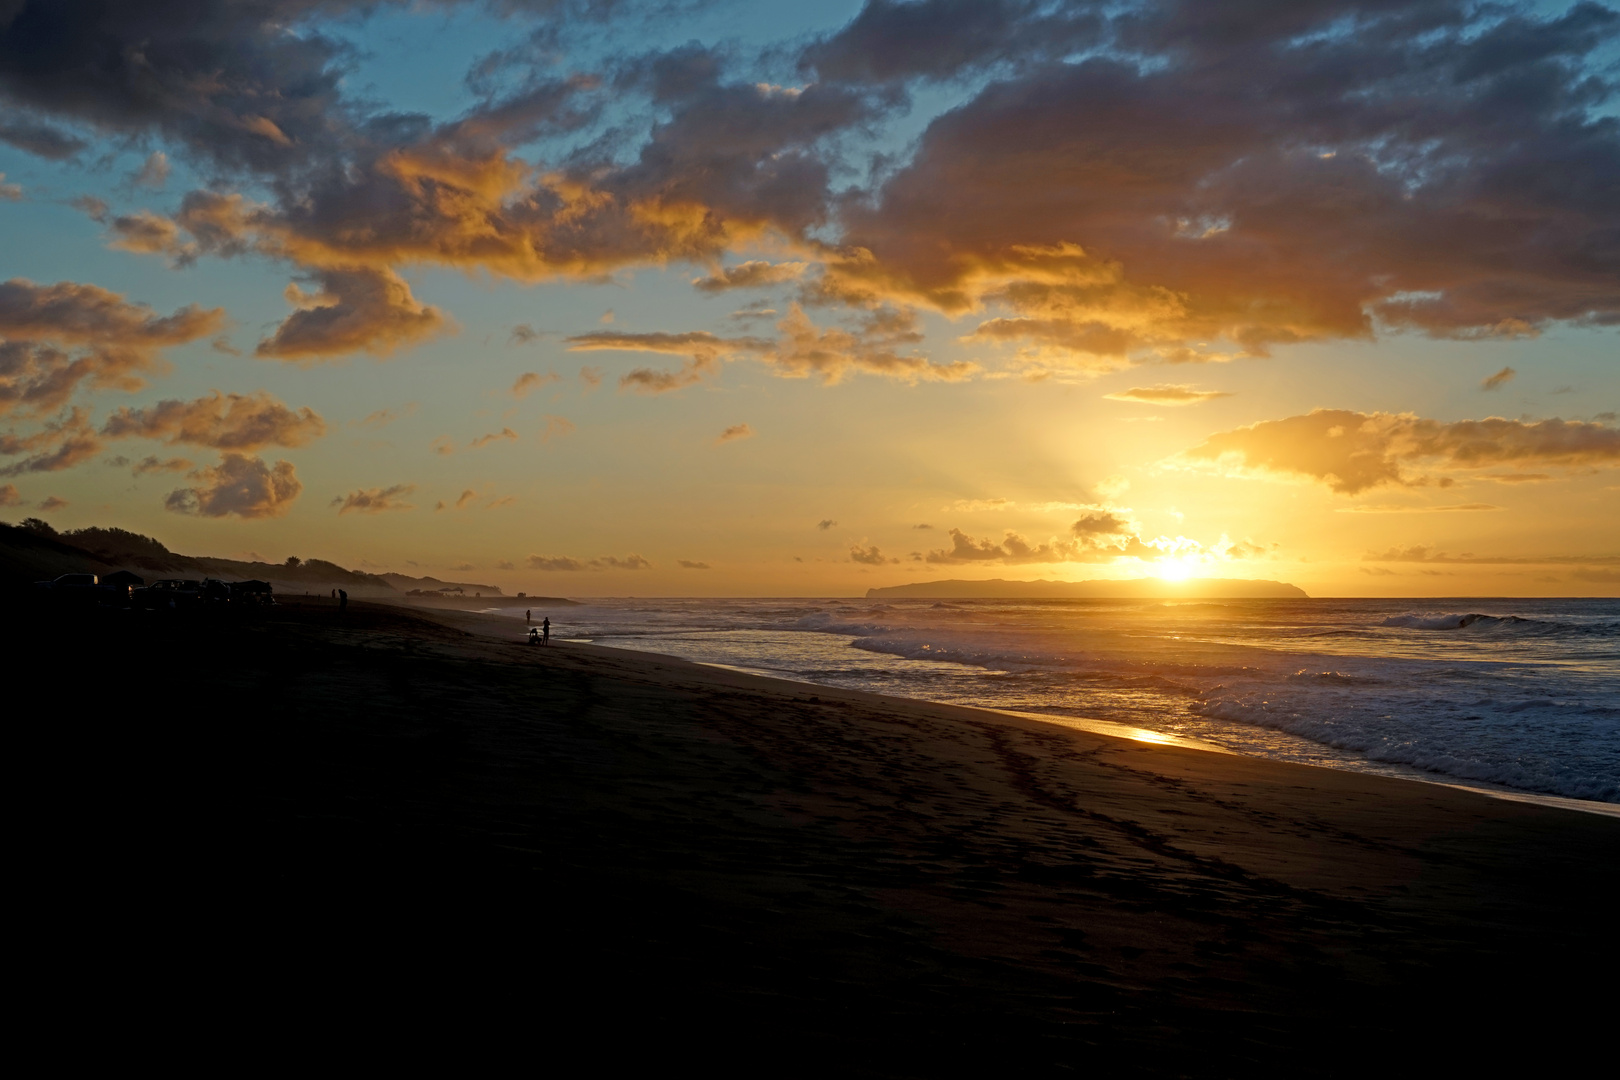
{"x":1511,"y":695}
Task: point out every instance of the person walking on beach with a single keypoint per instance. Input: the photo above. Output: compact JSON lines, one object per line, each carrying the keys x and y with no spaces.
{"x":545,"y":631}
{"x":343,"y":599}
{"x":528,"y":617}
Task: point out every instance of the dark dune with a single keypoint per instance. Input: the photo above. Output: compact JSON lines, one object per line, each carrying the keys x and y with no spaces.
{"x":329,"y":819}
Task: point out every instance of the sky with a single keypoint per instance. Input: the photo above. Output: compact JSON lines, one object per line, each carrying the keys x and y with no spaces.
{"x":674,"y":297}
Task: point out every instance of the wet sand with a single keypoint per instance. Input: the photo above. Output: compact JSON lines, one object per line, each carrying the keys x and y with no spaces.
{"x":416,"y":819}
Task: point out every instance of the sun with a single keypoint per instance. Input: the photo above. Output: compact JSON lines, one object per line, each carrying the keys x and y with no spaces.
{"x":1175,"y":569}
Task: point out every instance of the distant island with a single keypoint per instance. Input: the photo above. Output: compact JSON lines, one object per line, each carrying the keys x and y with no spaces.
{"x":1128,"y":589}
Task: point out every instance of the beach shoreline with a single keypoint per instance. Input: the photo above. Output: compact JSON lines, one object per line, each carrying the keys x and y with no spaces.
{"x":884,"y":885}
{"x":1145,"y":732}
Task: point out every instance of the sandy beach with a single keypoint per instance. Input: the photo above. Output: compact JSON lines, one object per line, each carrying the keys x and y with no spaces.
{"x":658,"y":861}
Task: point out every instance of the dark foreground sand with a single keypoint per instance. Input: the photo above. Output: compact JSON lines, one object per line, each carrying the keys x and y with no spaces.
{"x":390,"y":828}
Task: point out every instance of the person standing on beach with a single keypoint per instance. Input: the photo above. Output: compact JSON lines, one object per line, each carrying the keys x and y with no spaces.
{"x":343,"y":599}
{"x":545,"y":631}
{"x":528,"y":617}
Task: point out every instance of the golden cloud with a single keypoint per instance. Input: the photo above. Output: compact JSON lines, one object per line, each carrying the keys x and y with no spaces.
{"x":1177,"y":394}
{"x":356,"y":309}
{"x":1352,"y":452}
{"x":221,"y":421}
{"x":55,"y":338}
{"x":239,"y":485}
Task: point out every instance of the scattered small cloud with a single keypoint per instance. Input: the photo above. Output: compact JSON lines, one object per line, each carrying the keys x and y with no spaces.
{"x":735,"y":432}
{"x":53,"y":502}
{"x":1395,"y":508}
{"x":9,"y":496}
{"x":500,"y":501}
{"x":154,"y":464}
{"x":1176,"y":394}
{"x":375,"y":500}
{"x":1499,"y":380}
{"x":523,"y":333}
{"x":825,"y":523}
{"x":384,"y":417}
{"x":869,"y":556}
{"x":591,"y":377}
{"x":530,"y":381}
{"x":755,"y":274}
{"x":444,"y":444}
{"x":10,"y":192}
{"x":504,"y":564}
{"x":556,"y":427}
{"x":154,"y":172}
{"x":605,"y":562}
{"x":687,"y":564}
{"x":1112,"y":487}
{"x":505,"y":434}
{"x":924,"y":525}
{"x":554,"y":562}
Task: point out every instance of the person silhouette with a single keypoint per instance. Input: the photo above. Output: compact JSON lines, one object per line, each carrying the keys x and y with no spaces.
{"x":528,"y":617}
{"x":534,"y":635}
{"x":343,"y":600}
{"x":545,"y":631}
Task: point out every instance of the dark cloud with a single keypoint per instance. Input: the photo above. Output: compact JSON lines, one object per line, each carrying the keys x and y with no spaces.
{"x":243,"y":83}
{"x":42,"y":140}
{"x":221,"y":421}
{"x":1352,"y":452}
{"x":687,"y":564}
{"x":1159,"y":180}
{"x":735,"y":432}
{"x":940,"y":39}
{"x":1260,"y":175}
{"x":825,"y":523}
{"x":52,"y":502}
{"x":239,"y":486}
{"x":1499,"y":380}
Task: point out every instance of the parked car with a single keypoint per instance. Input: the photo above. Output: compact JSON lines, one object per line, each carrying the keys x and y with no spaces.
{"x":83,"y":588}
{"x":170,"y":593}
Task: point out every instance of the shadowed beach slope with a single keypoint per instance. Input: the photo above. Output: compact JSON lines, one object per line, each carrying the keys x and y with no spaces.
{"x":419,"y":821}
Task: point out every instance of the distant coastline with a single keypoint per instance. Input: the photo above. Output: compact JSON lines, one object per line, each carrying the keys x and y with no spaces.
{"x":1129,"y":589}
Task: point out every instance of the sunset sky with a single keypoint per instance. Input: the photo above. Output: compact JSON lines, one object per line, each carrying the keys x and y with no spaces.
{"x":713,"y":298}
